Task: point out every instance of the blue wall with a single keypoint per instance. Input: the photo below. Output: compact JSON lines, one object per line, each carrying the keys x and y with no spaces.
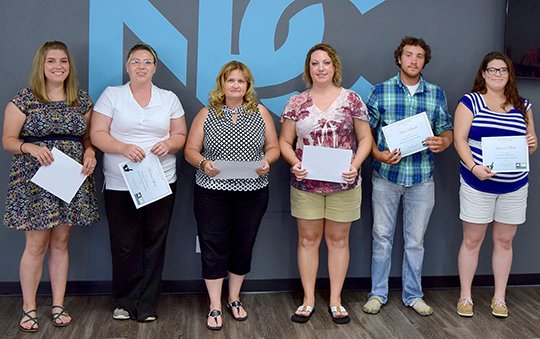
{"x":194,"y":39}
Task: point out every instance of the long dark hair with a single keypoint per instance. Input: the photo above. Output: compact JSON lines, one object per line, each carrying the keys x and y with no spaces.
{"x":510,"y":89}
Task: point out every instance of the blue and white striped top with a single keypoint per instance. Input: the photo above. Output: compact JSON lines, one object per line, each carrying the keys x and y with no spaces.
{"x":487,"y":123}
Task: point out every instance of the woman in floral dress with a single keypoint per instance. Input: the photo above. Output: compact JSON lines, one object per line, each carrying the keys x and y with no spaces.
{"x":52,"y":112}
{"x":324,"y":115}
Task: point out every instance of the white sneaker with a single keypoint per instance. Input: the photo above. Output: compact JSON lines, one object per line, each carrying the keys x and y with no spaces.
{"x":120,"y":314}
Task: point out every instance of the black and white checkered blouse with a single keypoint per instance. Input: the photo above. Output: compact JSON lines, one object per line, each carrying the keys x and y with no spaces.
{"x":240,"y":141}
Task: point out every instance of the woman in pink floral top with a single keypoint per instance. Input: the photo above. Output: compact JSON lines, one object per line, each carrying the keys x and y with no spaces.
{"x":325,"y":115}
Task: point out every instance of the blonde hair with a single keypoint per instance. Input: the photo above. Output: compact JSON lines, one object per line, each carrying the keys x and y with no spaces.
{"x":336,"y":62}
{"x":142,"y":47}
{"x":217,"y":97}
{"x":37,"y":77}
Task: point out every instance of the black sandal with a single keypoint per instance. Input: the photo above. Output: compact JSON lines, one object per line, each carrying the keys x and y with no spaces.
{"x":215,"y":313}
{"x":300,"y":318}
{"x":56,"y":316}
{"x":342,"y":319}
{"x":34,"y":320}
{"x":236,"y":304}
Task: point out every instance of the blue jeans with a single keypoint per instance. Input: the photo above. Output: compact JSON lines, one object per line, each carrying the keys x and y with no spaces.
{"x":418,"y":202}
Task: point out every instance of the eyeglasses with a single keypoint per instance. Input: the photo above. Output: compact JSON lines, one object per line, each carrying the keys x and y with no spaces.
{"x":137,"y":62}
{"x":493,"y":70}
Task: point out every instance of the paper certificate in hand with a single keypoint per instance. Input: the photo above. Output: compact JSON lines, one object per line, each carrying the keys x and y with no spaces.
{"x":63,"y":177}
{"x":237,"y":169}
{"x":506,"y":154}
{"x":326,"y":163}
{"x":145,"y":180}
{"x":408,"y":134}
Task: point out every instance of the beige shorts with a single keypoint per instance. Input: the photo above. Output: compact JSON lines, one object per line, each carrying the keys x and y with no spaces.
{"x":482,"y":208}
{"x":343,"y":206}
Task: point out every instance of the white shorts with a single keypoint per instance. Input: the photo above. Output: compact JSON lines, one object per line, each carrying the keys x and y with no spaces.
{"x":483,"y":208}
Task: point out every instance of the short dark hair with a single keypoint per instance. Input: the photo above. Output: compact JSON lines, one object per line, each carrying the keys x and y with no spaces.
{"x":412,"y":41}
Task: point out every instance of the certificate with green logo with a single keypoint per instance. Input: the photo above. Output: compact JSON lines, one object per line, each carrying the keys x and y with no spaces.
{"x":506,"y":154}
{"x":145,"y":180}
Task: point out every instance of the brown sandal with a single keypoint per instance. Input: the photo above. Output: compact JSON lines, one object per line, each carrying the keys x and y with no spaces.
{"x":56,"y":321}
{"x":35,"y":325}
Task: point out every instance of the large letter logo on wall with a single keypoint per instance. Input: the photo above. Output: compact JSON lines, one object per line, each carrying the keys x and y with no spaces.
{"x":271,"y":65}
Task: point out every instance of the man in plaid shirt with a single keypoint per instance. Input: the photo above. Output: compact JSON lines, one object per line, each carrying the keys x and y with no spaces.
{"x":409,"y":178}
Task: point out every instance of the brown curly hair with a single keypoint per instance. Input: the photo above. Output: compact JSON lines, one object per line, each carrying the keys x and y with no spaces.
{"x":510,"y":89}
{"x":412,"y":41}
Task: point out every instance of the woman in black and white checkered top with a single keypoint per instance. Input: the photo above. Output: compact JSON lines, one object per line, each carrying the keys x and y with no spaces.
{"x":232,"y":128}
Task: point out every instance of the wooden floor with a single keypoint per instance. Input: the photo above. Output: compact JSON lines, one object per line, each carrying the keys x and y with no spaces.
{"x":182,"y":316}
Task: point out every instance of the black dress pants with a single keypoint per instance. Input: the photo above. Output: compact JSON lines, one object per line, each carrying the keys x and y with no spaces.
{"x":138,"y":238}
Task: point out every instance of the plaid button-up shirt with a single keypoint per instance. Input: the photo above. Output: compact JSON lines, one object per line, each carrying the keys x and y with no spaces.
{"x":390,"y":101}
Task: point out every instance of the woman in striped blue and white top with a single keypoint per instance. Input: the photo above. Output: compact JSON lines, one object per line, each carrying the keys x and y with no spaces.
{"x":493,"y":109}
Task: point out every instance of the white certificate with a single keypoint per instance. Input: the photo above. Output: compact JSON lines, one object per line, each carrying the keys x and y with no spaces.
{"x":237,"y":169}
{"x":63,"y":177}
{"x":145,"y":180}
{"x":506,"y":154}
{"x":408,"y":134}
{"x":326,"y":163}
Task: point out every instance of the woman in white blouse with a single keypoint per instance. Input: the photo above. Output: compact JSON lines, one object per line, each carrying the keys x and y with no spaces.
{"x":130,"y":122}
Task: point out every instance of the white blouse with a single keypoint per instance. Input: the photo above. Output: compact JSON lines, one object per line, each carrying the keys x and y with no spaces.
{"x":141,"y":126}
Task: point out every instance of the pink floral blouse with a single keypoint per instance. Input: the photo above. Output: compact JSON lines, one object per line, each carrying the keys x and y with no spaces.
{"x":332,"y":128}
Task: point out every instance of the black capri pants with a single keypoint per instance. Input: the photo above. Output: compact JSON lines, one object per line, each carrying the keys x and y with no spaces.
{"x":227,"y":225}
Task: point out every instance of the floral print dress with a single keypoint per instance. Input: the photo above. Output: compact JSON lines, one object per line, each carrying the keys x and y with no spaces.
{"x":54,"y":124}
{"x":332,"y":128}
